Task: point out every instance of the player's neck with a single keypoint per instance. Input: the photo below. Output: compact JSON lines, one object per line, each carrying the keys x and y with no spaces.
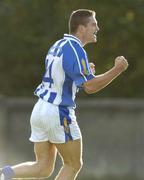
{"x":80,"y":37}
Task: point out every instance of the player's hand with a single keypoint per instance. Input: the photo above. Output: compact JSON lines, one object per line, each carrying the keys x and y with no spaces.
{"x":92,"y":67}
{"x":121,"y":63}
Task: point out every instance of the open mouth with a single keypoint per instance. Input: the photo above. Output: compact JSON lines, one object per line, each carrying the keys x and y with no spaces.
{"x":95,"y":34}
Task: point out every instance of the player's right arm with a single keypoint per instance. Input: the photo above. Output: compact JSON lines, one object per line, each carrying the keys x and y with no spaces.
{"x":100,"y":81}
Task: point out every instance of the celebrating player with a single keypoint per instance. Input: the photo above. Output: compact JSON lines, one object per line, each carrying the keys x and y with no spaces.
{"x":53,"y":122}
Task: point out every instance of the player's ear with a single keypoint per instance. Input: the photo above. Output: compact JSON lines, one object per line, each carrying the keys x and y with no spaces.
{"x":81,"y":28}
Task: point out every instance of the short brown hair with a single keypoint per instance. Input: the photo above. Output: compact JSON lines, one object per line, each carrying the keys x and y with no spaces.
{"x":79,"y":17}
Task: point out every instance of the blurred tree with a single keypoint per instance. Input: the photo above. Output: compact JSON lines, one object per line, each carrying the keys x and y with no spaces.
{"x":28,"y":28}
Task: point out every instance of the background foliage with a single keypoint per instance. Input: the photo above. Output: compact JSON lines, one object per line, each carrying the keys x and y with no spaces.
{"x":29,"y":27}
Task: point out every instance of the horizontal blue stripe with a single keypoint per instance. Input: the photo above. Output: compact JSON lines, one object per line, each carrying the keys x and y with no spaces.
{"x":52,"y":97}
{"x":48,"y":79}
{"x":43,"y":94}
{"x":38,"y":88}
{"x":35,"y":92}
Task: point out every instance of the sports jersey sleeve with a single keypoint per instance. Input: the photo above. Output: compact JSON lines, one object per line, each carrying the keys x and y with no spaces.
{"x":75,"y":64}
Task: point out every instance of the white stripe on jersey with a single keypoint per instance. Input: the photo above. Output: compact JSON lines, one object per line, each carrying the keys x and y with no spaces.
{"x":77,"y":60}
{"x":74,"y":90}
{"x":59,"y":78}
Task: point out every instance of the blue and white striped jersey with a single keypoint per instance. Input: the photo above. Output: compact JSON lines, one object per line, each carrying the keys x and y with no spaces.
{"x":66,"y":69}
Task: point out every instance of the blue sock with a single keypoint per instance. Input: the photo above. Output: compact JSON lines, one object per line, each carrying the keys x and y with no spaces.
{"x":8,"y":173}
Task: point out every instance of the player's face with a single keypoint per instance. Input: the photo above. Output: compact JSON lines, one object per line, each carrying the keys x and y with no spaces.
{"x":91,"y":30}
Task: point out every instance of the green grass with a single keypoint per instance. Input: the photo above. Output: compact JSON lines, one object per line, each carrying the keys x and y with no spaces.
{"x":110,"y":178}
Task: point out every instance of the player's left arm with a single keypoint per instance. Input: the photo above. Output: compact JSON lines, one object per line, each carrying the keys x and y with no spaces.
{"x":100,"y":81}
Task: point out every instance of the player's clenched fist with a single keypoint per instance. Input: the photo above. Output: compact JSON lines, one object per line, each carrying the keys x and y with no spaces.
{"x":92,"y":67}
{"x":121,"y":63}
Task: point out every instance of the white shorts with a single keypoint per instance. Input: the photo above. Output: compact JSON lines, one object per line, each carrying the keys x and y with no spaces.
{"x":56,"y":124}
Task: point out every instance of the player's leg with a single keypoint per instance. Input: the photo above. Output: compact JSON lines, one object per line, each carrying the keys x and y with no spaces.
{"x":71,"y":154}
{"x":43,"y":166}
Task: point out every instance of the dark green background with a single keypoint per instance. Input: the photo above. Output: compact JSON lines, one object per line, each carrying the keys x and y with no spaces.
{"x":29,"y":27}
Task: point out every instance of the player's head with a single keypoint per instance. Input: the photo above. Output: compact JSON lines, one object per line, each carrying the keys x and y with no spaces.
{"x":83,"y":21}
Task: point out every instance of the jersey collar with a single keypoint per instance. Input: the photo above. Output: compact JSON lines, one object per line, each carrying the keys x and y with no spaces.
{"x":74,"y":38}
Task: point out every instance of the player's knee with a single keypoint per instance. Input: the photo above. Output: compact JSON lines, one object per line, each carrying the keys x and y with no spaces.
{"x":45,"y":173}
{"x":75,"y":165}
{"x":78,"y":165}
{"x":45,"y":170}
